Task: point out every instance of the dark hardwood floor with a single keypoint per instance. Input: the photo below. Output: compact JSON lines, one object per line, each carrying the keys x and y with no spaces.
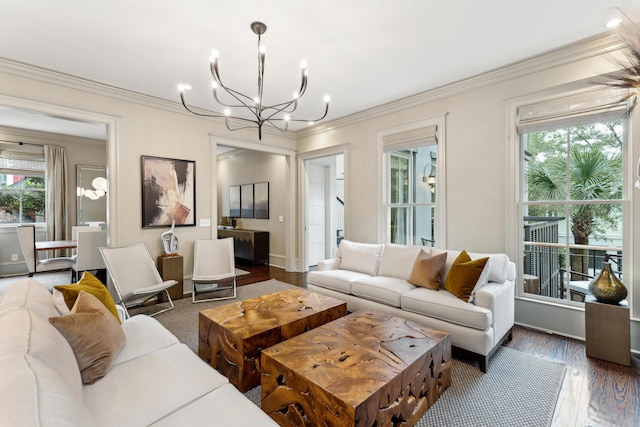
{"x":594,"y":392}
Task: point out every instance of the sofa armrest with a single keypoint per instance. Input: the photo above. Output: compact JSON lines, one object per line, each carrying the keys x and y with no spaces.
{"x":329,"y":264}
{"x":500,"y":299}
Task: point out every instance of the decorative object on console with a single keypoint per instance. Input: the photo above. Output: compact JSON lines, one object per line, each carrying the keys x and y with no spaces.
{"x":170,"y":240}
{"x":276,"y":115}
{"x":607,"y":287}
{"x":168,"y":192}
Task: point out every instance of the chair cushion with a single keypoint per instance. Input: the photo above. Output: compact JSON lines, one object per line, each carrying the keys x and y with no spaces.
{"x":465,"y":274}
{"x":427,"y":270}
{"x":361,"y":257}
{"x":398,"y":260}
{"x":94,"y":335}
{"x":385,"y":290}
{"x":88,"y":283}
{"x":445,"y":306}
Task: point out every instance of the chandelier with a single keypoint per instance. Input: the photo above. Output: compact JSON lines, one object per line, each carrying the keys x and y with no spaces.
{"x":277,"y":115}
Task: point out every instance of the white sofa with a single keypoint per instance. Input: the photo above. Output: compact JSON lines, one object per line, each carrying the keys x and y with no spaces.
{"x":154,"y":379}
{"x":374,"y":276}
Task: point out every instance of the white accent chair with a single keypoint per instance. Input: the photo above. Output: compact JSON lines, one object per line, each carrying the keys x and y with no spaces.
{"x":88,"y":257}
{"x":27,"y":237}
{"x":213,"y":263}
{"x":135,"y":276}
{"x":78,"y":228}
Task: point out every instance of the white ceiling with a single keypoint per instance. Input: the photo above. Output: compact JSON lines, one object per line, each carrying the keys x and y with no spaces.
{"x":363,"y":53}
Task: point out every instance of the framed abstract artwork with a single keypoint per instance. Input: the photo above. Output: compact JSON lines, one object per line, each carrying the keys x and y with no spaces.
{"x":261,"y":200}
{"x":168,"y":192}
{"x":246,"y":201}
{"x":234,"y":201}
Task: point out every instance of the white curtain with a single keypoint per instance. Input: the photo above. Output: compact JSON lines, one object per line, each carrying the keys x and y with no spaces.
{"x":55,"y":159}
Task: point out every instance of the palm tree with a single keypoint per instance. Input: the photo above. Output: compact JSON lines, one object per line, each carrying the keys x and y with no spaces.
{"x":593,"y":174}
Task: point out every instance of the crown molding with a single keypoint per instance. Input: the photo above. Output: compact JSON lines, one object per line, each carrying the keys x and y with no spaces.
{"x":601,"y":44}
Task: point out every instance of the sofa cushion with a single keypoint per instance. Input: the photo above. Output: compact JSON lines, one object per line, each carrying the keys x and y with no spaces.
{"x":94,"y":334}
{"x":385,"y":290}
{"x":29,"y":294}
{"x":144,"y":335}
{"x":427,"y":270}
{"x":360,"y":257}
{"x":445,"y":306}
{"x":398,"y":260}
{"x":219,"y":402}
{"x":464,"y":275}
{"x":40,"y":377}
{"x":146,"y":389}
{"x":91,"y":284}
{"x":337,"y":280}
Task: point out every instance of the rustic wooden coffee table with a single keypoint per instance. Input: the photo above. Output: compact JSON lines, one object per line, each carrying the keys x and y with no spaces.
{"x":363,"y":369}
{"x":231,"y":336}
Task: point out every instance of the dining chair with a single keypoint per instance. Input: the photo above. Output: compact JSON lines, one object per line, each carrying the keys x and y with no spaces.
{"x":88,"y":257}
{"x":77,"y":228}
{"x":213,"y":263}
{"x":27,"y":237}
{"x":135,"y":277}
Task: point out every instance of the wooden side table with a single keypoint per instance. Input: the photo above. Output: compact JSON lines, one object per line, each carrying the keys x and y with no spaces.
{"x":607,"y":331}
{"x":170,"y":268}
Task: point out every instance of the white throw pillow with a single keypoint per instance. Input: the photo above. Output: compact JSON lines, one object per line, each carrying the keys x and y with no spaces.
{"x":361,"y":257}
{"x":398,"y":260}
{"x":61,"y":305}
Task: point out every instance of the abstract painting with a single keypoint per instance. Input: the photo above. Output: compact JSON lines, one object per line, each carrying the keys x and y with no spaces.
{"x":234,"y":201}
{"x":168,"y":192}
{"x":261,"y":200}
{"x":246,"y":201}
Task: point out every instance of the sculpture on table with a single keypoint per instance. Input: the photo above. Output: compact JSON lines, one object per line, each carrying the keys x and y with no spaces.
{"x":170,"y":241}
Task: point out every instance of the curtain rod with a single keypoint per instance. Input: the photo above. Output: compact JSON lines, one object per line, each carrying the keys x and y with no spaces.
{"x":21,"y":143}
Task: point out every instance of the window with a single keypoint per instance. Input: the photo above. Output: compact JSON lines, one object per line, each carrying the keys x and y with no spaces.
{"x":571,"y":199}
{"x":412,"y":181}
{"x":22,"y":189}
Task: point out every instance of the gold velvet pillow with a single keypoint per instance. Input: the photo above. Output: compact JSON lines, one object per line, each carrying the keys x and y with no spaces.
{"x":91,"y":284}
{"x":427,"y":270}
{"x":464,"y":275}
{"x":94,"y":335}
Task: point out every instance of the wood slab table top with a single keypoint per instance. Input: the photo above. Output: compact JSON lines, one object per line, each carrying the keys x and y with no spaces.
{"x":231,"y":336}
{"x":364,"y":369}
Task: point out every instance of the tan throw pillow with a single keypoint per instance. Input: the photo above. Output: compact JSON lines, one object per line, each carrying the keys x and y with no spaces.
{"x":427,"y":270}
{"x":464,"y":275}
{"x":94,"y":335}
{"x":91,"y":284}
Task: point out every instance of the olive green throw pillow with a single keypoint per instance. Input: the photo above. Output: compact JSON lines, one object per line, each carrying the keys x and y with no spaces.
{"x":464,"y":275}
{"x":88,"y":283}
{"x":94,"y":335}
{"x":427,"y":270}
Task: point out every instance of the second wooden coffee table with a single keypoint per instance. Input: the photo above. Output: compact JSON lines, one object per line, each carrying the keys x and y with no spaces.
{"x":364,"y":369}
{"x":232,"y":336}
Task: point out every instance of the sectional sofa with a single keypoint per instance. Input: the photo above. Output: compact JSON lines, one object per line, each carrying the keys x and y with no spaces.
{"x":375,"y":276}
{"x":153,"y":379}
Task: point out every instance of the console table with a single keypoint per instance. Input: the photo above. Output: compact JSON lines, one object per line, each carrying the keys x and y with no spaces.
{"x":249,"y":245}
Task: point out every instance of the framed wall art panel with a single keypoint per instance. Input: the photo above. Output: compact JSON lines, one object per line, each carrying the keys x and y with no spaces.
{"x":168,"y":192}
{"x":261,"y":200}
{"x":246,"y":201}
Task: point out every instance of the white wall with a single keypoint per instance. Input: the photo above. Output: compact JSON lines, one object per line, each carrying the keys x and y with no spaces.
{"x":477,"y":160}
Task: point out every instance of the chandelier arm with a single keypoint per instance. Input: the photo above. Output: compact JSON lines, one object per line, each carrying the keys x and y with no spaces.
{"x":282,"y":107}
{"x":197,"y":113}
{"x":232,"y":93}
{"x":326,"y":110}
{"x":281,"y":129}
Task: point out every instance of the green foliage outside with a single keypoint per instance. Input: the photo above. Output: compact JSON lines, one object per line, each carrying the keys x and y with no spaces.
{"x":33,"y":202}
{"x":577,"y":164}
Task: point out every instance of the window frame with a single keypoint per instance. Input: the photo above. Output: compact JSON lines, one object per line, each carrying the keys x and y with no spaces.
{"x":440,"y":203}
{"x":515,"y":187}
{"x":19,"y":155}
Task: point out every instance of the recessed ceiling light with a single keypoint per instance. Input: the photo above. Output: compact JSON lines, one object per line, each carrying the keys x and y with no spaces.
{"x":613,"y":23}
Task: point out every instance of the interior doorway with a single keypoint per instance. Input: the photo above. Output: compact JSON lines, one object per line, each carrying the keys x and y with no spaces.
{"x":324,"y":208}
